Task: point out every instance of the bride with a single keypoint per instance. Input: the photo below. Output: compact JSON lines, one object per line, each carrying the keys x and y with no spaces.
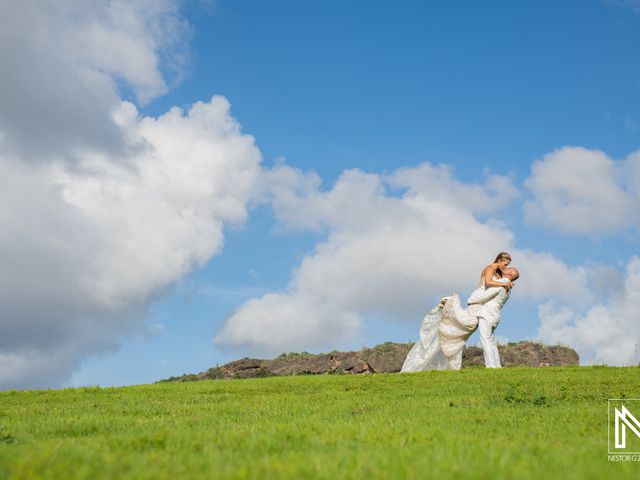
{"x":447,"y":326}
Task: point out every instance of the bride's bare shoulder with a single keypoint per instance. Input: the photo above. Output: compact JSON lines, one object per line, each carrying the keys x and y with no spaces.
{"x":489,"y":268}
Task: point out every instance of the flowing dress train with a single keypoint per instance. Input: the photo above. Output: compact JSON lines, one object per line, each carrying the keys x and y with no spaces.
{"x":443,"y":333}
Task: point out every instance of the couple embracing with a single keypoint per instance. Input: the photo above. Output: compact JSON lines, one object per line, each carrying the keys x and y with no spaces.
{"x":447,"y":326}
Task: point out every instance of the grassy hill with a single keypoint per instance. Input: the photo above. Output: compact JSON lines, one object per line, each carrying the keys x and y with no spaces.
{"x":474,"y":423}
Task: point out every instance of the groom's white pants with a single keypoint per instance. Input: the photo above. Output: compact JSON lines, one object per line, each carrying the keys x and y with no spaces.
{"x":489,"y":346}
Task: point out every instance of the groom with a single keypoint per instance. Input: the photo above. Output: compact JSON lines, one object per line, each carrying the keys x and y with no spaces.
{"x":488,"y":307}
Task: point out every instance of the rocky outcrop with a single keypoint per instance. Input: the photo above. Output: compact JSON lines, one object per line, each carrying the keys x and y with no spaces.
{"x":384,"y":358}
{"x":524,"y":354}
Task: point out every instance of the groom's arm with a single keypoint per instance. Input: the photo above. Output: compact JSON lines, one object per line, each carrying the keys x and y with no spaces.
{"x":483,"y":295}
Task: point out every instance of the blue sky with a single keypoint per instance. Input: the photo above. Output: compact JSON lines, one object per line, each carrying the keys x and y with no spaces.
{"x":485,"y":88}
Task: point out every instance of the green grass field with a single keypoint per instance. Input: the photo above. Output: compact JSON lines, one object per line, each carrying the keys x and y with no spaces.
{"x":473,"y":423}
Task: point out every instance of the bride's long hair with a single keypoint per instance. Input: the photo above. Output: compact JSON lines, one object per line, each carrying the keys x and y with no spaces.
{"x":500,"y":256}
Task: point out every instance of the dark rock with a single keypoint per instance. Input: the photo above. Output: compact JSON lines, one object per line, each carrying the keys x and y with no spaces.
{"x":384,"y":358}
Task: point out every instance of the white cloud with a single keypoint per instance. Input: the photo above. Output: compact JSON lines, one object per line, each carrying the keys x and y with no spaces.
{"x":20,"y":370}
{"x":631,"y":168}
{"x":86,"y":246}
{"x":437,"y":184}
{"x":102,"y":209}
{"x":280,"y":322}
{"x":580,"y":191}
{"x":62,"y":64}
{"x":383,"y":255}
{"x":544,"y":276}
{"x":602,"y":332}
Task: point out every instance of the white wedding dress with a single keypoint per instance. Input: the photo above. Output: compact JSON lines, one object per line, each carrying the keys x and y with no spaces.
{"x":447,"y":327}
